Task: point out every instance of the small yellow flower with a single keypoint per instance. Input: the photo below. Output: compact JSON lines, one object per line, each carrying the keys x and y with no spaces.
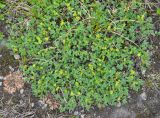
{"x":62,"y":23}
{"x":76,"y":83}
{"x":78,"y":93}
{"x":132,"y":72}
{"x":117,"y":83}
{"x":111,"y":49}
{"x":74,"y":14}
{"x":41,"y":24}
{"x":104,"y":47}
{"x":47,"y":38}
{"x":139,"y":54}
{"x":15,"y":49}
{"x":78,"y":18}
{"x":98,"y":36}
{"x":61,"y":72}
{"x":72,"y":94}
{"x":111,"y":92}
{"x":39,"y":39}
{"x":49,"y":28}
{"x":57,"y":88}
{"x":119,"y":98}
{"x":117,"y":50}
{"x":34,"y":65}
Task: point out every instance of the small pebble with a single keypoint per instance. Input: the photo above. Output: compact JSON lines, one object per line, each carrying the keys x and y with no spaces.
{"x":129,"y":96}
{"x":143,"y":96}
{"x":32,"y":104}
{"x":40,"y":103}
{"x":0,"y":55}
{"x":82,"y":111}
{"x":118,"y":104}
{"x":76,"y":113}
{"x":143,"y":72}
{"x":44,"y":106}
{"x":1,"y":78}
{"x":82,"y":115}
{"x":21,"y":101}
{"x":11,"y":68}
{"x":21,"y":91}
{"x":17,"y":56}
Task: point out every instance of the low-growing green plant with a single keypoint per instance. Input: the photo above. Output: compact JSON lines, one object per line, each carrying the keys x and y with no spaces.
{"x":84,"y":52}
{"x":1,"y":36}
{"x":158,"y":11}
{"x":2,"y":5}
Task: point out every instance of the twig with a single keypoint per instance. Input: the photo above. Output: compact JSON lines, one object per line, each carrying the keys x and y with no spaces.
{"x":24,"y":8}
{"x":30,"y":114}
{"x":124,"y":38}
{"x":63,"y":95}
{"x":83,"y":7}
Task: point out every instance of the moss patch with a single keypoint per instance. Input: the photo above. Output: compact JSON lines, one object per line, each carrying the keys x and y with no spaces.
{"x":6,"y":60}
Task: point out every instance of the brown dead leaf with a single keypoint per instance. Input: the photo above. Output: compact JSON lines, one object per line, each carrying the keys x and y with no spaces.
{"x":13,"y":82}
{"x":53,"y":104}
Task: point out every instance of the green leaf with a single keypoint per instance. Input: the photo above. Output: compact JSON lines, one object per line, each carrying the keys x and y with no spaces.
{"x":2,"y":5}
{"x":158,"y":11}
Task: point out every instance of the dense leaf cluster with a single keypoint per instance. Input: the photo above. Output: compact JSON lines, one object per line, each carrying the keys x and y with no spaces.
{"x":84,"y":52}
